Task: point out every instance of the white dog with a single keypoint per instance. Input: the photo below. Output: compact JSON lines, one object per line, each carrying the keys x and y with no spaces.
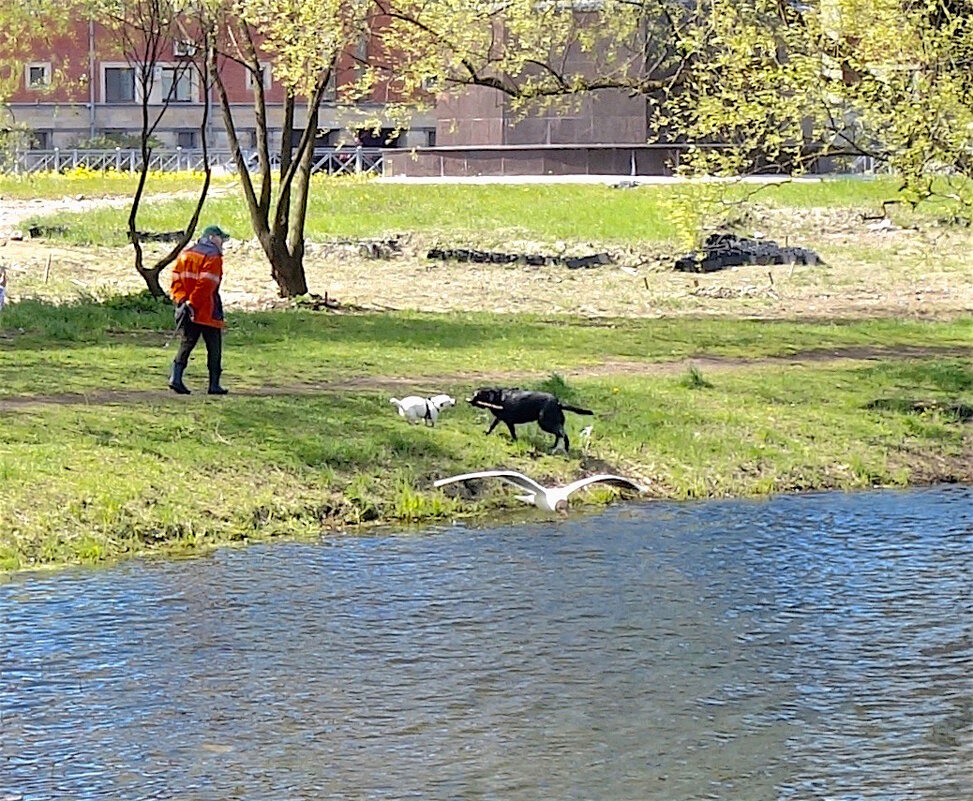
{"x":414,"y":408}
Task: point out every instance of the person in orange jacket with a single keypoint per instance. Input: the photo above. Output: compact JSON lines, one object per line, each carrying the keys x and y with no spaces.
{"x":199,"y":310}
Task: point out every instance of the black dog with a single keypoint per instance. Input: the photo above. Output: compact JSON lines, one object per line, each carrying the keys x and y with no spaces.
{"x":518,"y":406}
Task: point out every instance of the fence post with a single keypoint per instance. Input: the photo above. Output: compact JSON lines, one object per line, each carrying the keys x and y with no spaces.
{"x":118,"y":159}
{"x":57,"y":159}
{"x":358,"y":159}
{"x":74,"y":159}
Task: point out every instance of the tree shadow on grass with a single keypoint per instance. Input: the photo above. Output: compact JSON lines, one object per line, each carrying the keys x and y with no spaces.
{"x":345,"y":432}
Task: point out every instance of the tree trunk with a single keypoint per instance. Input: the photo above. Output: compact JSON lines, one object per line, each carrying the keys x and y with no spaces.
{"x":151,"y":278}
{"x":286,"y":268}
{"x":281,"y":234}
{"x":148,"y":31}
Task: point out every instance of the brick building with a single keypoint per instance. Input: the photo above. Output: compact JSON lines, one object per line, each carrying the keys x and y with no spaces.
{"x":82,"y":87}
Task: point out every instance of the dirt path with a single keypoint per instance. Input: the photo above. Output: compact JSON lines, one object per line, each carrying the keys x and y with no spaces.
{"x":13,"y":211}
{"x":436,"y":383}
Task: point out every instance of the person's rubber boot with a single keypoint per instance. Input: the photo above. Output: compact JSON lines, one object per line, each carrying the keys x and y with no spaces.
{"x":175,"y":381}
{"x":214,"y":385}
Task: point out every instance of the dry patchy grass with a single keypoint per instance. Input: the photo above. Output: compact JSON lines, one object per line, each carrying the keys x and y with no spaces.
{"x":899,"y":272}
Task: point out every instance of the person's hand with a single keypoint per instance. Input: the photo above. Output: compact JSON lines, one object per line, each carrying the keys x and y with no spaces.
{"x":184,"y":313}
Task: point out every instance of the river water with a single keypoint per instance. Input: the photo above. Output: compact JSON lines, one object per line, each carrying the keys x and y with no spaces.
{"x":816,"y":646}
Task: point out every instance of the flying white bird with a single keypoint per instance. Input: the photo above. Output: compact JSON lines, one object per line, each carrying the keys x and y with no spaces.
{"x":550,"y":499}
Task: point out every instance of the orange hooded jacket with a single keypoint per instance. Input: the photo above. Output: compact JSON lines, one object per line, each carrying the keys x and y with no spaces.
{"x":196,"y":280}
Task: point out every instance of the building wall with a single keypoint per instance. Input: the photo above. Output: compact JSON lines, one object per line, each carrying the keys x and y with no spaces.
{"x":482,"y":116}
{"x":73,"y":107}
{"x":476,"y":117}
{"x":495,"y":160}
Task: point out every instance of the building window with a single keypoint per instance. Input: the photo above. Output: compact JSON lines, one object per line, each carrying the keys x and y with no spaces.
{"x":264,"y":75}
{"x":186,"y":139}
{"x":40,"y":140}
{"x":119,"y":84}
{"x":177,"y":85}
{"x":184,"y":48}
{"x":38,"y":75}
{"x":331,"y":90}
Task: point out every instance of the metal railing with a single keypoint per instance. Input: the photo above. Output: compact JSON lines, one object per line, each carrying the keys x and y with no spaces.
{"x":344,"y":161}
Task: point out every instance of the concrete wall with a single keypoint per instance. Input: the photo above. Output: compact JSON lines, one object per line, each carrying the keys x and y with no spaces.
{"x":68,"y":123}
{"x":620,"y":160}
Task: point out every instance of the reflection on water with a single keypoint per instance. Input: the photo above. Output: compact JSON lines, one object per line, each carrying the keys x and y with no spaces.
{"x":804,"y":647}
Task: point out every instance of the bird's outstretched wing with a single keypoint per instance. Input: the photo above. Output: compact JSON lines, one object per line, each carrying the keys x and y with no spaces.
{"x":509,"y":476}
{"x":603,"y":478}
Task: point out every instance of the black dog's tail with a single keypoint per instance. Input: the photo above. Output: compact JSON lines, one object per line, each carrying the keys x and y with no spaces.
{"x":575,"y":409}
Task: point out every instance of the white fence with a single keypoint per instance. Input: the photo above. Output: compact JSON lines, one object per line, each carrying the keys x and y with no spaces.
{"x":344,"y":161}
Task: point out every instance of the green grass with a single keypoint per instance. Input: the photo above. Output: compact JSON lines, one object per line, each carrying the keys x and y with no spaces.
{"x":357,"y":208}
{"x":85,"y":345}
{"x":156,"y":473}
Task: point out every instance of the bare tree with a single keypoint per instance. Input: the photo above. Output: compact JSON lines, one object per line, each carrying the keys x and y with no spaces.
{"x":147,"y":30}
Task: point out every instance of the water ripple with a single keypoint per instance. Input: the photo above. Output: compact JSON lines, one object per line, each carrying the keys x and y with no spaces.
{"x":818,"y":646}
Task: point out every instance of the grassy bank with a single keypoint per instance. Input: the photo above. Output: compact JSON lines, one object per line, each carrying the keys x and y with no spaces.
{"x":137,"y":470}
{"x":365,"y":208}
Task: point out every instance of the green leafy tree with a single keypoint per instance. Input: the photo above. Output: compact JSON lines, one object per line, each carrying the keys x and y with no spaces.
{"x":303,"y":44}
{"x":746,"y":85}
{"x":24,"y":25}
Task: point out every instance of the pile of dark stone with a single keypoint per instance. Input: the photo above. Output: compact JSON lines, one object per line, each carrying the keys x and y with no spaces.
{"x":42,"y":231}
{"x":722,"y":250}
{"x":380,"y":248}
{"x":160,"y":236}
{"x":531,"y":259}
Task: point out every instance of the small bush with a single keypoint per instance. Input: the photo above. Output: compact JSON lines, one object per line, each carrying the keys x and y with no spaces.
{"x":694,"y":379}
{"x":138,"y":302}
{"x":556,"y":385}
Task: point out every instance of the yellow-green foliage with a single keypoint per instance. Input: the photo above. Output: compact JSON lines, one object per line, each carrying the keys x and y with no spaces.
{"x":755,"y":84}
{"x":411,"y":505}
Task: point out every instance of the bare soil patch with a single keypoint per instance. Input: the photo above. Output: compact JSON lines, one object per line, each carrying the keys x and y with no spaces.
{"x":869,"y":271}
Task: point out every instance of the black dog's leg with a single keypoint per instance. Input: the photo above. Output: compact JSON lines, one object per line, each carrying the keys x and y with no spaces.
{"x":552,"y":421}
{"x":513,"y":431}
{"x":493,"y":425}
{"x":558,"y":436}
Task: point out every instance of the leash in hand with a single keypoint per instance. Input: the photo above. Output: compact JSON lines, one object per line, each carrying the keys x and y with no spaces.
{"x":183,"y":314}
